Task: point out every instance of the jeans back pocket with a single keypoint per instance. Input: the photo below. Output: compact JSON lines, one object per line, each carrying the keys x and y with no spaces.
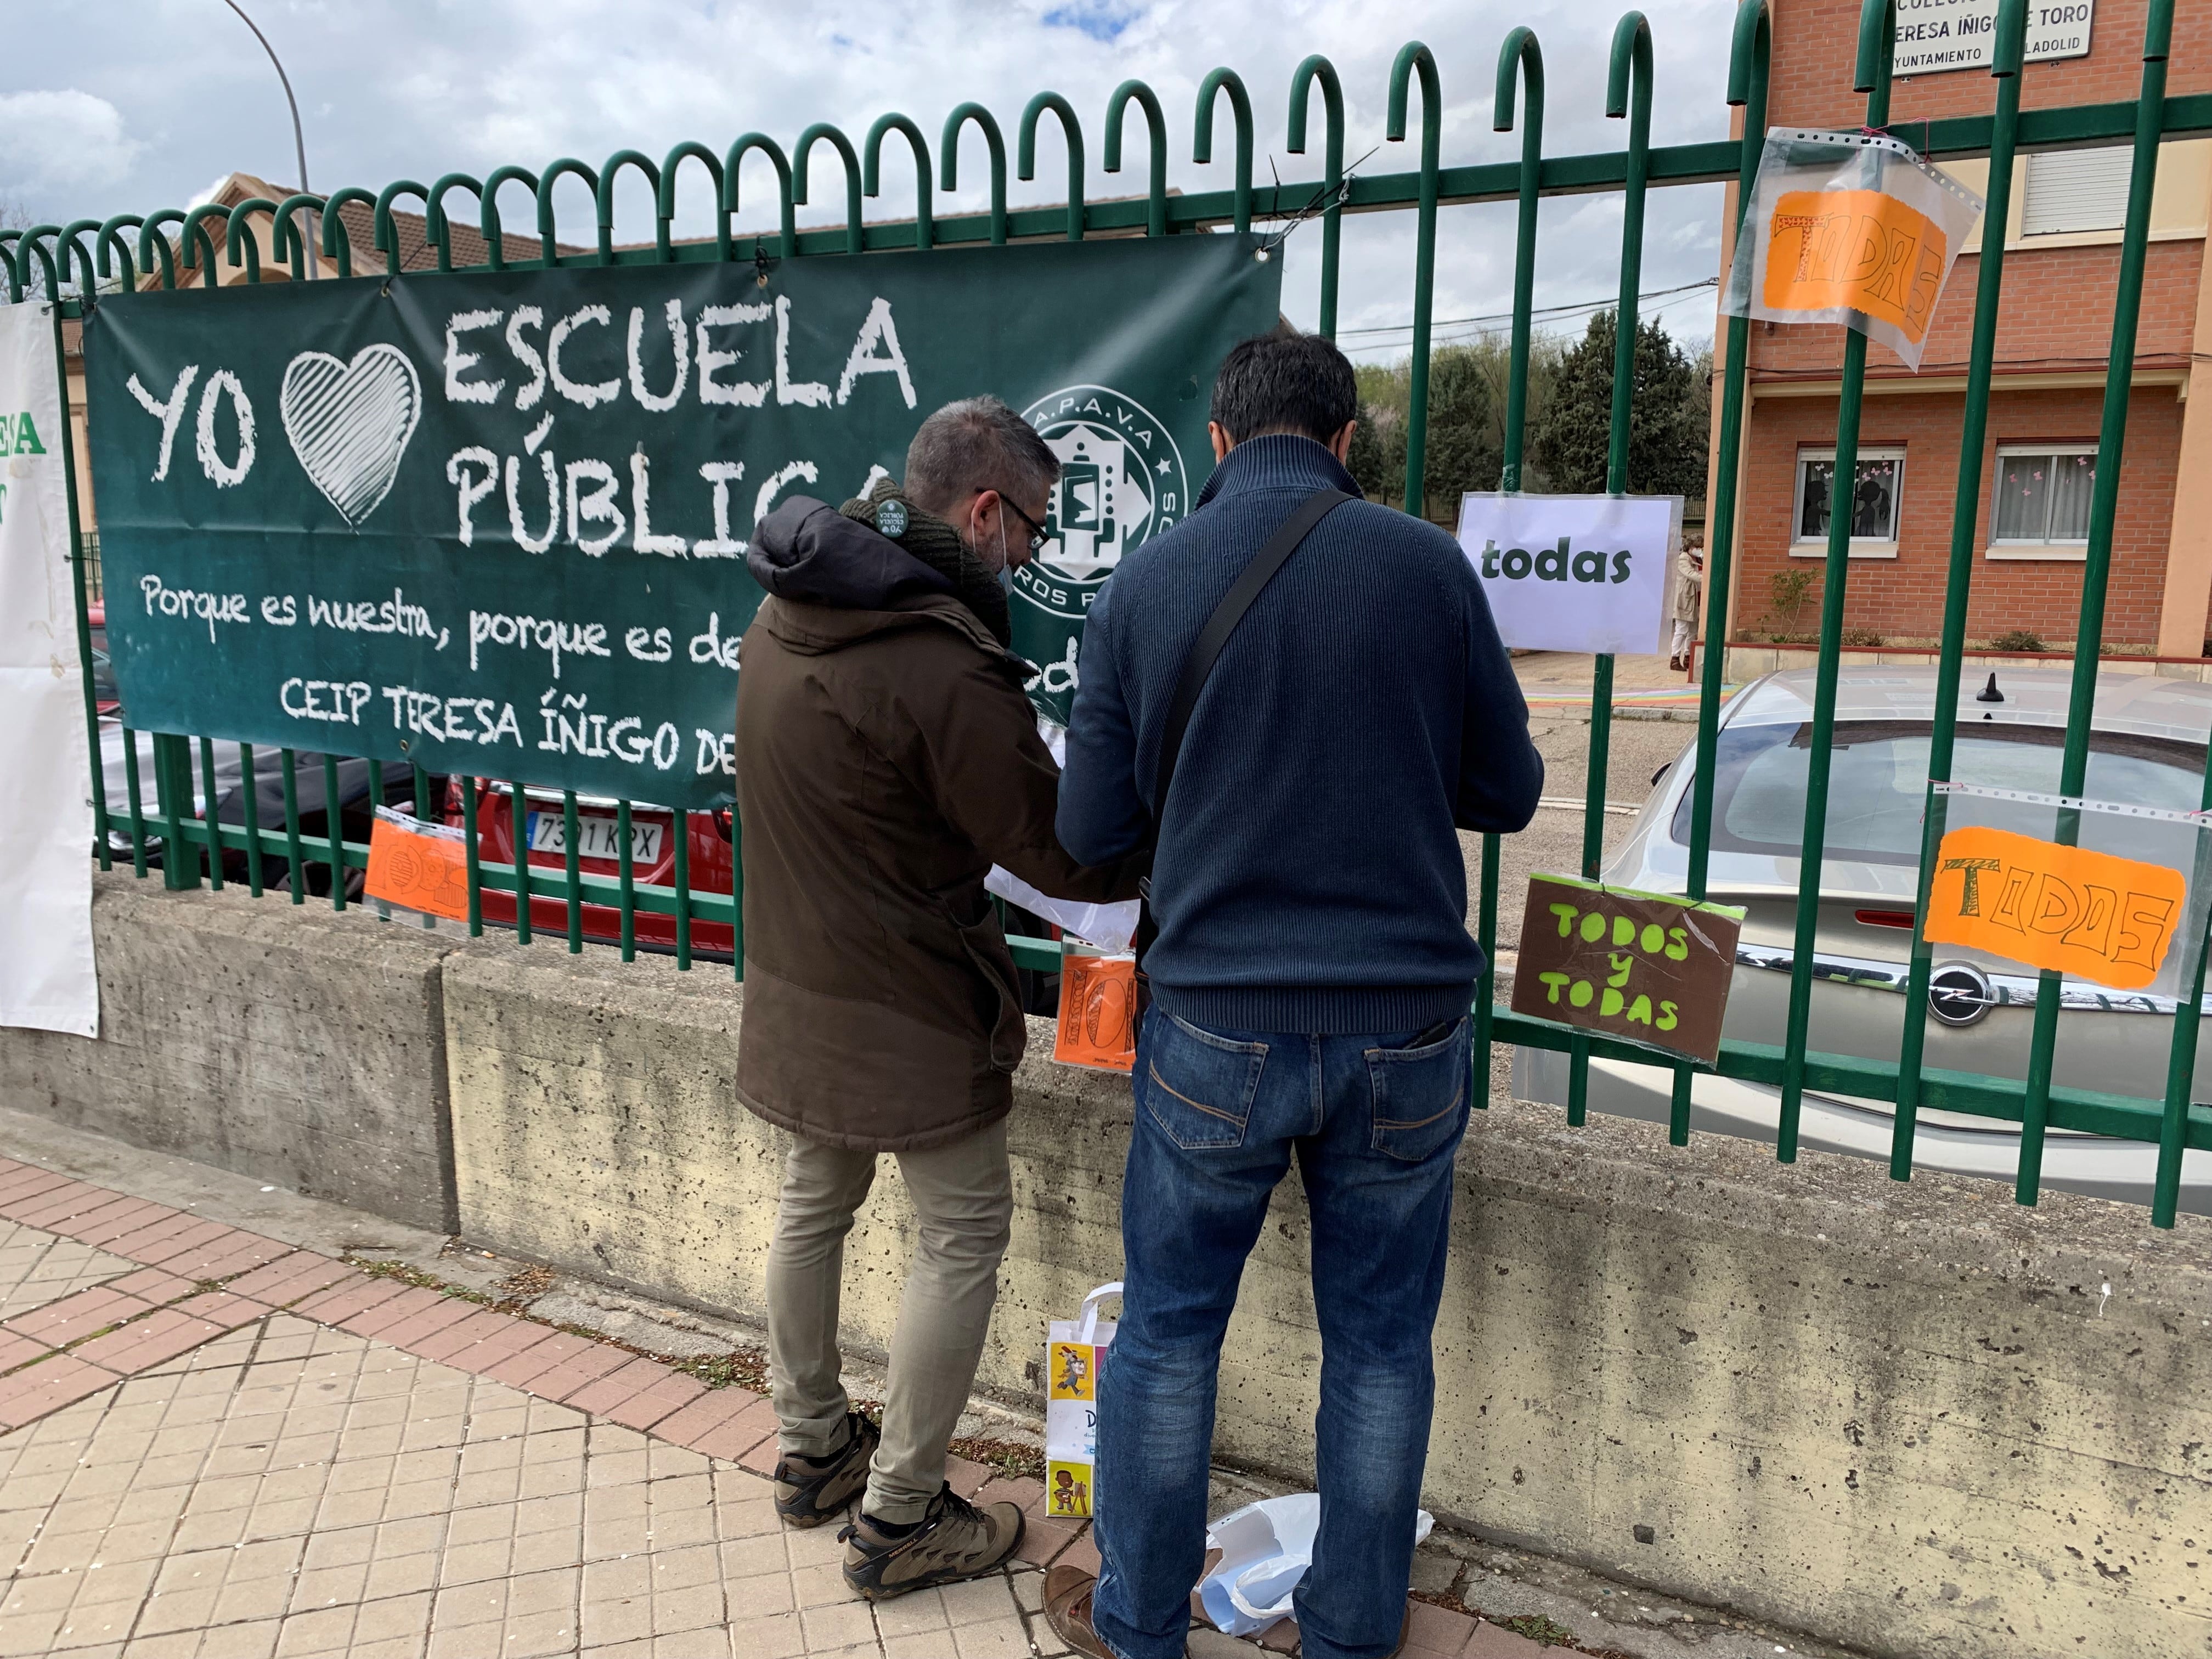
{"x":1198,"y":1087}
{"x":1420,"y":1096}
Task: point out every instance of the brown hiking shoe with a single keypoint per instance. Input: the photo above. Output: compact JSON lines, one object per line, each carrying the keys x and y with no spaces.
{"x":954,"y":1540}
{"x":810,"y":1490}
{"x":1067,"y":1610}
{"x":1067,"y":1592}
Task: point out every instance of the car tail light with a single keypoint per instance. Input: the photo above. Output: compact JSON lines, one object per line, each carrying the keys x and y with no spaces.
{"x":1885,"y":919}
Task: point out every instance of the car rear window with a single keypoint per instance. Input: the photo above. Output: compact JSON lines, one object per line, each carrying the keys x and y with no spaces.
{"x":1878,"y":781}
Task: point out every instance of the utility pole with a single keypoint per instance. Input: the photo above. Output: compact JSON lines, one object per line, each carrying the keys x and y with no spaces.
{"x":299,"y":145}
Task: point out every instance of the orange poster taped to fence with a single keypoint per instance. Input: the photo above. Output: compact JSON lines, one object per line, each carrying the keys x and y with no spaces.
{"x":1097,"y":1013}
{"x":1860,"y":249}
{"x":2089,"y":915}
{"x":413,"y":865}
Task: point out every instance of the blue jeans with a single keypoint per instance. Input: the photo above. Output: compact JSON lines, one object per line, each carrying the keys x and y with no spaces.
{"x":1374,"y":1121}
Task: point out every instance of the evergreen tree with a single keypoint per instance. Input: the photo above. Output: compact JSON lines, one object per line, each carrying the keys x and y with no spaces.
{"x":1668,"y":419}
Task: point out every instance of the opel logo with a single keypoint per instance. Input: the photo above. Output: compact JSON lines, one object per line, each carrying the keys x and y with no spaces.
{"x":1959,"y":994}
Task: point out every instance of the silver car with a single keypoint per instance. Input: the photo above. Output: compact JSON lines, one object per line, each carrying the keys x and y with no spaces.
{"x":2147,"y":748}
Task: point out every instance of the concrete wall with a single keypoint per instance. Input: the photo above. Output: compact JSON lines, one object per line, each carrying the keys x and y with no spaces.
{"x":296,"y":1044}
{"x":1910,"y":1418}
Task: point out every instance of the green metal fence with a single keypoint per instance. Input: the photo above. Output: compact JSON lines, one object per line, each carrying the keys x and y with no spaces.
{"x":71,"y":259}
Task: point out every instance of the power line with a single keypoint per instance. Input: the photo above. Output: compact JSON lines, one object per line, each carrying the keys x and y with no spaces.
{"x":1547,"y":313}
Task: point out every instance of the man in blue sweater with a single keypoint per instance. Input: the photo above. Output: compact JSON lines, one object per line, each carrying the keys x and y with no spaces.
{"x":1310,"y":984}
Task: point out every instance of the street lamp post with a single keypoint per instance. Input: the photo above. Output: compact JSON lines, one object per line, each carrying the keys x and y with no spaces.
{"x":298,"y":141}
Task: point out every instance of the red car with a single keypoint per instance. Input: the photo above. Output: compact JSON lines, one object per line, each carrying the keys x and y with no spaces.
{"x":653,"y":862}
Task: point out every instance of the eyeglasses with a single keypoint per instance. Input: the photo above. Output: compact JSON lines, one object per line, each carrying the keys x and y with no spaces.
{"x":1038,"y":534}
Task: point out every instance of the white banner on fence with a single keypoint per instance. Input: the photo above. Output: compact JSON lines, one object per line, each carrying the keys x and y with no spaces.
{"x":1573,"y":573}
{"x":46,"y":978}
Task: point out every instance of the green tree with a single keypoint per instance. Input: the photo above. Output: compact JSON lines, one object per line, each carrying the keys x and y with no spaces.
{"x":1667,"y":421}
{"x":1466,"y":442}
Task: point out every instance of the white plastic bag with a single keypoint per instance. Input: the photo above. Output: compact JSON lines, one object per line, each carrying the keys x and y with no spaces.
{"x":1266,"y":1548}
{"x":1849,"y":227}
{"x":1110,"y":927}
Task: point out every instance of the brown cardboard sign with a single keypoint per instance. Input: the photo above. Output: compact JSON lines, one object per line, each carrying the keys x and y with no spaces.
{"x":1645,"y":967}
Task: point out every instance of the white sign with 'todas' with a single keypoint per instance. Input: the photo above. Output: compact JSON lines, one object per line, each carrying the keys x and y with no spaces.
{"x":1574,"y":572}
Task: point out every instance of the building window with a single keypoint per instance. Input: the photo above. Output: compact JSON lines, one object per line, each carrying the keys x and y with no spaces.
{"x":1872,"y":504}
{"x":2077,"y":190}
{"x":2041,"y":506}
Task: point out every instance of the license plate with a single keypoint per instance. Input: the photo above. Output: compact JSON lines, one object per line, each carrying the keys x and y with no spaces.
{"x":598,"y":836}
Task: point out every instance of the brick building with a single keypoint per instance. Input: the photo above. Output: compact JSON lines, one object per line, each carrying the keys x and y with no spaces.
{"x":2062,"y":263}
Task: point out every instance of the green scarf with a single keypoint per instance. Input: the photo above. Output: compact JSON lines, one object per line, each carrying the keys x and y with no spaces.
{"x":938,"y":546}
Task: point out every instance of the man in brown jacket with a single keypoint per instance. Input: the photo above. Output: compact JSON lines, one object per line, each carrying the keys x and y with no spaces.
{"x":886,"y":759}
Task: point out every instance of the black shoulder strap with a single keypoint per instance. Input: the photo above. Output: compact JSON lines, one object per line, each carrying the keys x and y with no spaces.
{"x":1207,"y":649}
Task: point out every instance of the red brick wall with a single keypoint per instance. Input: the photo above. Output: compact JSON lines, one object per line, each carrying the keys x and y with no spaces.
{"x":1904,"y":596}
{"x":1816,"y":45}
{"x":2055,"y":315}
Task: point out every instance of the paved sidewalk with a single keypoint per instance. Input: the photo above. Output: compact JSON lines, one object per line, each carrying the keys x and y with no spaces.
{"x":216,"y":1446}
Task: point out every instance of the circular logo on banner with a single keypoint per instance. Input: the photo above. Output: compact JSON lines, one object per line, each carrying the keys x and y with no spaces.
{"x":1122,"y":482}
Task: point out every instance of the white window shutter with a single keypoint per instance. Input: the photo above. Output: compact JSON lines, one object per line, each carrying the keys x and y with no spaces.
{"x":2077,"y":190}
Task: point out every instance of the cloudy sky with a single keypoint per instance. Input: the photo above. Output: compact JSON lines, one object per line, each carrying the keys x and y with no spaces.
{"x":130,"y":106}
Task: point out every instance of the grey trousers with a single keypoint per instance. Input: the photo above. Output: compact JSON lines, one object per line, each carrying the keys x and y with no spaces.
{"x":963,"y":1199}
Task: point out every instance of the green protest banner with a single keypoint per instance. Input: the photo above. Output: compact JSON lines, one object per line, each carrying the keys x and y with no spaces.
{"x":495,"y":523}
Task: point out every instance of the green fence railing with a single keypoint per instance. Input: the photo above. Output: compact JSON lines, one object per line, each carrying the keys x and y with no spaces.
{"x":177,"y":247}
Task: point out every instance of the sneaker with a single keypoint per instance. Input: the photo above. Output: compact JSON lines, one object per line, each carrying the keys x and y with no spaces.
{"x":955,"y":1539}
{"x":811,"y":1490}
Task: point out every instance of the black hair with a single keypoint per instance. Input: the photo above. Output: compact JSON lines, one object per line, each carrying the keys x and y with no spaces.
{"x":1286,"y":382}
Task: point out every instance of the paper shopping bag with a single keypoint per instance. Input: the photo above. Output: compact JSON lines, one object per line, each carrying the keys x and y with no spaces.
{"x":1075,"y":1351}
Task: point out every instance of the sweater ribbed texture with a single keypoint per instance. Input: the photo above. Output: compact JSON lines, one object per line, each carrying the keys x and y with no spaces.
{"x":1308,"y":876}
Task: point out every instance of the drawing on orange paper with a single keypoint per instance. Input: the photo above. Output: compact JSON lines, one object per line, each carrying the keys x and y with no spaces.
{"x":1097,"y":1013}
{"x":2093,"y":916}
{"x":416,"y":871}
{"x":1860,"y":250}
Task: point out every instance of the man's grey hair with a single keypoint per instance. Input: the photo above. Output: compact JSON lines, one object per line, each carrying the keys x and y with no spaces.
{"x":977,"y":444}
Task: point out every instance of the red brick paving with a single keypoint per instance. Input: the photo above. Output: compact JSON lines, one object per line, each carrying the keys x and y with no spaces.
{"x":389,"y":1312}
{"x":224,"y":1308}
{"x":689,"y":1424}
{"x":59,"y":1323}
{"x":231,"y":1251}
{"x":19,"y":1351}
{"x":403,"y":1321}
{"x":348,"y":1297}
{"x":521,"y":1369}
{"x":602,"y":1395}
{"x":181,"y":1250}
{"x":59,"y":1203}
{"x":31,"y":1393}
{"x":742,"y":1434}
{"x":290,"y":1277}
{"x":446,"y":1347}
{"x":152,"y":1285}
{"x":651,"y":1406}
{"x":577,"y":1372}
{"x":145,"y":1343}
{"x":116,"y":1223}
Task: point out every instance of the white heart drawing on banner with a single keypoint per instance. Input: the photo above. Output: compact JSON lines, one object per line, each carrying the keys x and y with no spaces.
{"x":350,"y":423}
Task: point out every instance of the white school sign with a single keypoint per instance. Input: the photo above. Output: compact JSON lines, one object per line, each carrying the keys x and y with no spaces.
{"x":1573,"y":573}
{"x":1936,"y":35}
